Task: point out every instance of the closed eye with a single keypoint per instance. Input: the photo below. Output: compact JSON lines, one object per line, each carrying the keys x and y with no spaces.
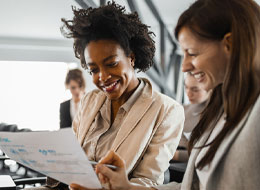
{"x":112,"y":64}
{"x":192,"y":54}
{"x":93,"y":71}
{"x":195,"y":90}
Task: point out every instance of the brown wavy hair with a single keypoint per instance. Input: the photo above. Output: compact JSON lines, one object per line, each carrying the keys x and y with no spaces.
{"x":76,"y":75}
{"x":211,"y":20}
{"x":111,"y":22}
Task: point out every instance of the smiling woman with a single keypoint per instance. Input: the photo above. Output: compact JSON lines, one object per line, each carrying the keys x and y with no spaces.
{"x":199,"y":53}
{"x":125,"y":114}
{"x":112,"y":71}
{"x":220,"y":40}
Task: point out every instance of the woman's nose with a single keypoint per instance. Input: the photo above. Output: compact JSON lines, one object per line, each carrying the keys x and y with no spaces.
{"x":189,"y":93}
{"x":104,"y":75}
{"x":187,"y":65}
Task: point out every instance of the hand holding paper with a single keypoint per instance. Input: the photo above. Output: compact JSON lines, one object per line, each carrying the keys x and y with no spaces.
{"x":56,"y":154}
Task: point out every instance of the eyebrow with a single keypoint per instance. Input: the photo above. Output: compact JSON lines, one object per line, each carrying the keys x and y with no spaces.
{"x":191,"y":87}
{"x":104,"y":60}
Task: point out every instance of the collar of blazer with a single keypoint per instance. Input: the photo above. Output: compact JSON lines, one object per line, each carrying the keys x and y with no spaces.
{"x":92,"y":105}
{"x":223,"y":148}
{"x":137,"y":111}
{"x":142,"y":104}
{"x":228,"y":141}
{"x":189,"y":177}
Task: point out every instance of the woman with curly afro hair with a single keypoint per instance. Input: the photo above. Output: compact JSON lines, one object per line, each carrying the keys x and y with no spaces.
{"x":220,"y":40}
{"x":125,"y":114}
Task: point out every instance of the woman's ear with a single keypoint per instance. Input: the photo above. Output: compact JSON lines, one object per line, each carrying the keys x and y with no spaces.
{"x":132,"y":57}
{"x":227,"y":40}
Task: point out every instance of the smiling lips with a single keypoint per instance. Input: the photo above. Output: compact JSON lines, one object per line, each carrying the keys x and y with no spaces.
{"x":110,"y":87}
{"x":198,"y":76}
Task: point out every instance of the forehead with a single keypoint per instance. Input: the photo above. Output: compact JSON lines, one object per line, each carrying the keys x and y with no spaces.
{"x":187,"y":39}
{"x":190,"y":40}
{"x":101,"y":49}
{"x":73,"y":83}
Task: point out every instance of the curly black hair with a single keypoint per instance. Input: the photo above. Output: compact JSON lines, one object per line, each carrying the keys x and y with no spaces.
{"x":111,"y":22}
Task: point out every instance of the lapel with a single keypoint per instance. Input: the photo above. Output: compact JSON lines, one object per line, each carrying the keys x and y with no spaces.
{"x":223,"y":148}
{"x":95,"y":102}
{"x":225,"y":145}
{"x":188,"y":179}
{"x":68,"y":111}
{"x":135,"y":114}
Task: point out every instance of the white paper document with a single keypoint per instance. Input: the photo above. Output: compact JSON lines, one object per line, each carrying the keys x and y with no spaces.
{"x":56,"y":154}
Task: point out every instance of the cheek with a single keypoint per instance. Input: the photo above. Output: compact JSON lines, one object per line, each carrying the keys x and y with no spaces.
{"x":123,"y":72}
{"x":199,"y":95}
{"x":222,"y":67}
{"x":218,"y":70}
{"x":201,"y":63}
{"x":218,"y":63}
{"x":95,"y":79}
{"x":130,"y":72}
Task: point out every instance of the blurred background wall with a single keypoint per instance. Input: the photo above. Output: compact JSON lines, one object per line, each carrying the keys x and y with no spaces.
{"x":35,"y":57}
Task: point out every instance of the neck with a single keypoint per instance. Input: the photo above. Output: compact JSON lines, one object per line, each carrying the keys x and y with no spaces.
{"x":75,"y":100}
{"x":119,"y":102}
{"x":116,"y":104}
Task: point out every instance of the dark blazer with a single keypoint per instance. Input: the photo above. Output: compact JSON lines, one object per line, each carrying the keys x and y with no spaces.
{"x":65,"y":118}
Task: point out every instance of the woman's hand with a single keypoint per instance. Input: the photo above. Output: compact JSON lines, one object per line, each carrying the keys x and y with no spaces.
{"x":117,"y":179}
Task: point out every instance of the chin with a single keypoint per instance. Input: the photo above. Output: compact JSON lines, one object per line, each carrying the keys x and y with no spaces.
{"x":112,"y":96}
{"x":210,"y":85}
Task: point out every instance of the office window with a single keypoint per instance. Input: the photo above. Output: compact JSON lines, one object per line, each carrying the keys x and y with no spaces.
{"x":31,"y":93}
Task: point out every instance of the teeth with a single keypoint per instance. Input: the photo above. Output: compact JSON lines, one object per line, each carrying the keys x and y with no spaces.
{"x":198,"y":76}
{"x":110,"y":86}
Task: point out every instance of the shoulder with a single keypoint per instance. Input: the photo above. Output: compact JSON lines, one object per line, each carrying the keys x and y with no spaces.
{"x":159,"y":99}
{"x":189,"y":108}
{"x":65,"y":103}
{"x":253,"y":120}
{"x":256,"y":108}
{"x":166,"y":100}
{"x":93,"y":95}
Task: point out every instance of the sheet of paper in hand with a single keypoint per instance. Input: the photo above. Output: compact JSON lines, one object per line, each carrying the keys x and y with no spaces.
{"x":56,"y":154}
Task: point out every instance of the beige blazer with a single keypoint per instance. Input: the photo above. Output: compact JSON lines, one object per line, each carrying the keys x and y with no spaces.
{"x":237,"y":162}
{"x":148,"y":136}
